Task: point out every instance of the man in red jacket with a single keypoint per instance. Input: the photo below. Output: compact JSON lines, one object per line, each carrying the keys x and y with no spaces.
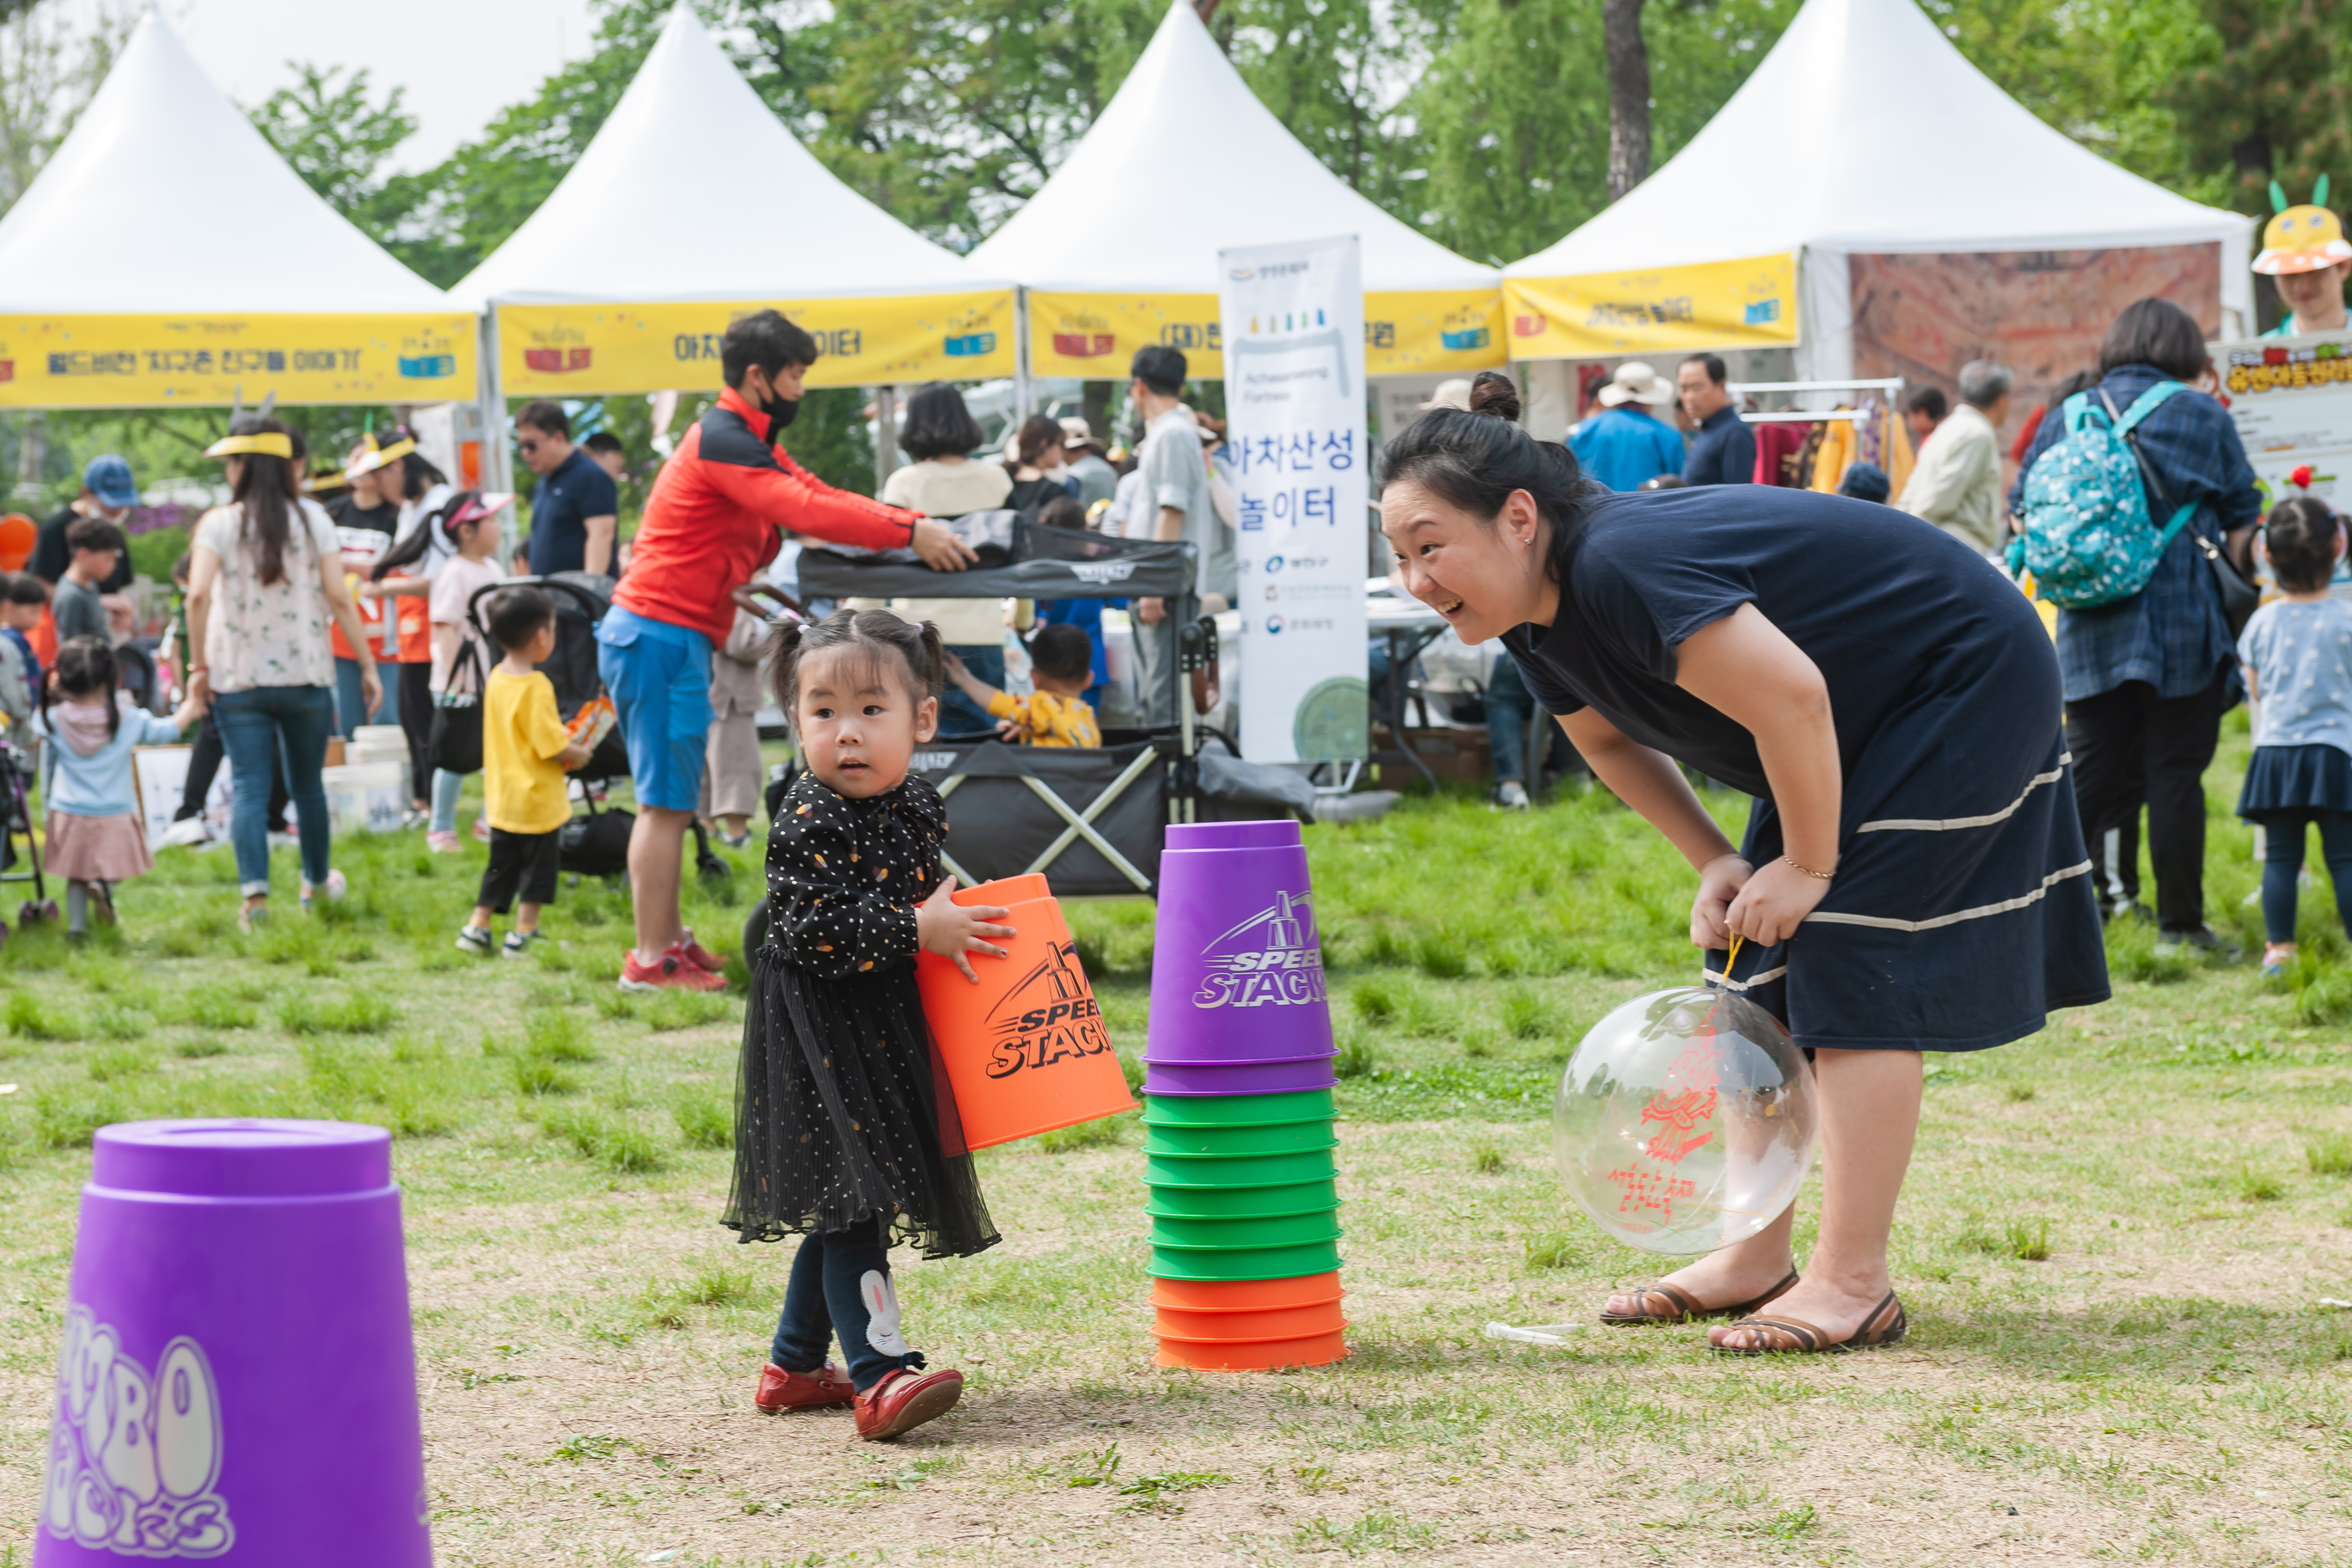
{"x":716,"y":516}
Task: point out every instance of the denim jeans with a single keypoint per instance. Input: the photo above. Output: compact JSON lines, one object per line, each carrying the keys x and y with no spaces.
{"x":958,"y":714}
{"x":2283,"y":839}
{"x":840,"y":1286}
{"x":1509,"y":706}
{"x":293,"y":722}
{"x":351,"y":703}
{"x":203,"y":762}
{"x":446,"y":787}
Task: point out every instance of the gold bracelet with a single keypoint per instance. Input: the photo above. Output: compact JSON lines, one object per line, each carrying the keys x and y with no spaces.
{"x":1808,"y":870}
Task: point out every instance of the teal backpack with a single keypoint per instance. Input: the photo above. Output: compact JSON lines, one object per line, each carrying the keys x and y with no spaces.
{"x":2085,"y":533}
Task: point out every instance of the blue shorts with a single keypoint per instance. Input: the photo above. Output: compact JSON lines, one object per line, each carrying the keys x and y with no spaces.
{"x":659,"y":679}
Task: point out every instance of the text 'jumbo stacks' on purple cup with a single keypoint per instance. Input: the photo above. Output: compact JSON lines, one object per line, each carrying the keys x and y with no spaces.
{"x":238,"y":1379}
{"x":1237,"y":964}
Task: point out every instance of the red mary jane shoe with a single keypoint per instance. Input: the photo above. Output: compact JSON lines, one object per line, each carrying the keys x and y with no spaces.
{"x":904,"y":1400}
{"x":781,"y":1390}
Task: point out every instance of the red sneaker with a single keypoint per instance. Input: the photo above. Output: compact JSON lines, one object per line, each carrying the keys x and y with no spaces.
{"x":671,"y":972}
{"x":696,"y":954}
{"x":781,"y":1390}
{"x":904,"y":1400}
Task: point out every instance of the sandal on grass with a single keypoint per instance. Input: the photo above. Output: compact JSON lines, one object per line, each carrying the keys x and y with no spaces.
{"x":1884,"y":1326}
{"x":1671,"y":1304}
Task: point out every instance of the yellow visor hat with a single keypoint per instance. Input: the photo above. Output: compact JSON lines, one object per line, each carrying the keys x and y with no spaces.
{"x":383,"y":457}
{"x":268,"y":444}
{"x":2302,"y":238}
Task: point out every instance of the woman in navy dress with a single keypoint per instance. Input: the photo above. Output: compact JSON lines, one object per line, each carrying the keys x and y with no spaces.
{"x":1912,"y":876}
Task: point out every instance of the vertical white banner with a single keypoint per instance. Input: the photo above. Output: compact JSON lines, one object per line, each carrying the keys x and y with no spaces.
{"x":1293,"y":342}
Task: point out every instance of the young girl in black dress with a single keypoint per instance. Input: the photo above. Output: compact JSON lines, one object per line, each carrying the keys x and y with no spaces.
{"x":845,"y":1128}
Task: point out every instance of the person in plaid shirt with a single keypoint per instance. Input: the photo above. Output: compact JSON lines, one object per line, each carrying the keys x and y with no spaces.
{"x":2147,"y":679}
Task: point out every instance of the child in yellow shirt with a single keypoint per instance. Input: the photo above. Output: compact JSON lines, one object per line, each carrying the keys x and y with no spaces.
{"x":1061,"y":665}
{"x":525,"y":754}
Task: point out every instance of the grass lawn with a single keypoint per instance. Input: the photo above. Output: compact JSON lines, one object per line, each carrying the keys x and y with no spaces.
{"x":2113,"y":1247}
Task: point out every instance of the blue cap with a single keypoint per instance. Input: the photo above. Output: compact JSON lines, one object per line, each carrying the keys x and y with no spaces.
{"x":109,"y":478}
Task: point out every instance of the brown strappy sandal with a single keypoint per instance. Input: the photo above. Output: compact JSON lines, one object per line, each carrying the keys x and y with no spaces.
{"x":1884,"y":1326}
{"x":1680,"y":1308}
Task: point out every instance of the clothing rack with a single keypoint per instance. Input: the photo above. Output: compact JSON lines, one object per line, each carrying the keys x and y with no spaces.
{"x":1891,"y":385}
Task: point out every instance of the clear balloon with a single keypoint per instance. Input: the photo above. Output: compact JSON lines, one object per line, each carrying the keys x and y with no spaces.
{"x":1686,"y":1121}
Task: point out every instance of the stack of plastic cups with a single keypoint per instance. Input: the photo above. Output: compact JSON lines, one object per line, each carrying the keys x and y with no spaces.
{"x":1237,"y":1088}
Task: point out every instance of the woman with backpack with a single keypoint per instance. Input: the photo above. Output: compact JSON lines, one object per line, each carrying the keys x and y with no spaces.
{"x":2148,"y":675}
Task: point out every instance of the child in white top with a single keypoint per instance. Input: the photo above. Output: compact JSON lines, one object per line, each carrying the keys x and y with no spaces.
{"x":472,"y":527}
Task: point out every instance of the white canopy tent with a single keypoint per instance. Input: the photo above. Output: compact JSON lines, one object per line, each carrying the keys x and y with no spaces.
{"x":1119,"y":248}
{"x":166,"y":254}
{"x":1863,"y":131}
{"x":694,"y":204}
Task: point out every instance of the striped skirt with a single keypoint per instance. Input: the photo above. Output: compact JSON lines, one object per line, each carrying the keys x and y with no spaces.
{"x":1963,"y":909}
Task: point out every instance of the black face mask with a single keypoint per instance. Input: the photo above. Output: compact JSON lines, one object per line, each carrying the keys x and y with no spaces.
{"x":781,"y":412}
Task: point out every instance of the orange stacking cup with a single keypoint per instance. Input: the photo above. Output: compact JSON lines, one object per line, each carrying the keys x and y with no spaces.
{"x":1245,"y":1295}
{"x":1252,"y":1355}
{"x":1272,"y":1323}
{"x":1024,"y":1050}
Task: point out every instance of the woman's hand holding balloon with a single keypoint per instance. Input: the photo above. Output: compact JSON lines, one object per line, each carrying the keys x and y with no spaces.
{"x":1774,"y":902}
{"x":1719,"y":882}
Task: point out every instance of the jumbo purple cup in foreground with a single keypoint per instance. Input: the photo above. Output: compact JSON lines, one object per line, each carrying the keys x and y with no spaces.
{"x":1237,"y":964}
{"x":237,"y":1380}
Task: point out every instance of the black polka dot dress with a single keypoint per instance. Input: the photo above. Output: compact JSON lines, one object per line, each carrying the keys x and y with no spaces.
{"x":843,"y":1111}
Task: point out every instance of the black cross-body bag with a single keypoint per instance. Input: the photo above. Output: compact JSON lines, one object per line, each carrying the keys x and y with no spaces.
{"x":2240,"y":598}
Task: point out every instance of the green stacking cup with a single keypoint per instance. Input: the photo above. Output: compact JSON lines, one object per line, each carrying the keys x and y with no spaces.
{"x":1240,"y":1170}
{"x":1247,"y":1138}
{"x":1242,"y":1203}
{"x":1269,"y":1230}
{"x":1236,"y":1109}
{"x":1243,"y":1262}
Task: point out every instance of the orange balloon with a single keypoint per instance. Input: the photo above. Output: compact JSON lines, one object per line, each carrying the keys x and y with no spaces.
{"x":18,"y":535}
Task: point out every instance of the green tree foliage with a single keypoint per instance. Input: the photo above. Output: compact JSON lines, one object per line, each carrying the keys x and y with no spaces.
{"x":2102,"y":71}
{"x":336,"y":136}
{"x":1515,"y":107}
{"x":456,"y":214}
{"x":50,"y":64}
{"x":2269,"y":97}
{"x":950,"y":113}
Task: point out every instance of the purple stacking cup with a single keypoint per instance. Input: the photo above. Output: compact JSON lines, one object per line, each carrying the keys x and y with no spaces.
{"x":1247,"y":1078}
{"x":1237,"y":965}
{"x":238,"y":1379}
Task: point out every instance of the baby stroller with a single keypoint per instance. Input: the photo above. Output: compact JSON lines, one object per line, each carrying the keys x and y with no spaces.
{"x":596,"y":842}
{"x":17,"y":816}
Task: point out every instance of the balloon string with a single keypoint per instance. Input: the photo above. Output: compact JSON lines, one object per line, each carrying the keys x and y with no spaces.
{"x":1732,"y":957}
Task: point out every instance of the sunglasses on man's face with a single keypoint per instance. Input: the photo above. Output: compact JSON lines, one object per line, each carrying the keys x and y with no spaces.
{"x":527,"y":446}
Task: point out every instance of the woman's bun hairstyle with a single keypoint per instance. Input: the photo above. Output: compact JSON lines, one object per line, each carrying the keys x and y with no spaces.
{"x":1475,"y":458}
{"x":1491,"y":392}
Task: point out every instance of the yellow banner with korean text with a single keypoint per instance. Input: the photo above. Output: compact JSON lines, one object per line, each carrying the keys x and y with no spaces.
{"x":1094,"y":336}
{"x":557,"y":351}
{"x":1744,"y":304}
{"x":139,"y":362}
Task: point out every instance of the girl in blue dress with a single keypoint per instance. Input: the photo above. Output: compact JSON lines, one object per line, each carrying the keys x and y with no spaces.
{"x":1912,"y":876}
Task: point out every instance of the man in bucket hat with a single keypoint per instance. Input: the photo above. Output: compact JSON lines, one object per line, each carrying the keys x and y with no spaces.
{"x":1624,"y":443}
